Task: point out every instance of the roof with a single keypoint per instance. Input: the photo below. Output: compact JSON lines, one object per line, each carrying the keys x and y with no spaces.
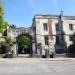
{"x":40,"y":16}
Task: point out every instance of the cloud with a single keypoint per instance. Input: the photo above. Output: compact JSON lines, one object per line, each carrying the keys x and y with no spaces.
{"x":55,"y":4}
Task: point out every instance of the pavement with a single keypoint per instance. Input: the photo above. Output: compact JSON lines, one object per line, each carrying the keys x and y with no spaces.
{"x":37,"y":66}
{"x":34,"y":59}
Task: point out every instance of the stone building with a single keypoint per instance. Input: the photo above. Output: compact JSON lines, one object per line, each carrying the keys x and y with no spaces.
{"x":52,"y":33}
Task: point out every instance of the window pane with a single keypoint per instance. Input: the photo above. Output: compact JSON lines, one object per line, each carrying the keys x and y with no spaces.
{"x":45,"y":26}
{"x":46,"y":40}
{"x":70,"y":26}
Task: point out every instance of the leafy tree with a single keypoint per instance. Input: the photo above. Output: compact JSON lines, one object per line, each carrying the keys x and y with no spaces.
{"x":8,"y":40}
{"x":1,"y":17}
{"x":3,"y":24}
{"x":71,"y":48}
{"x":24,"y":42}
{"x":73,"y":38}
{"x":13,"y":26}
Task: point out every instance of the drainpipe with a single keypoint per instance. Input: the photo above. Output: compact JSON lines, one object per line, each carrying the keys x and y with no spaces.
{"x":62,"y":32}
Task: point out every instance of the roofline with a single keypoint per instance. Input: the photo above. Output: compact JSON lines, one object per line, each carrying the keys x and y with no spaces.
{"x":43,"y":16}
{"x":53,"y":15}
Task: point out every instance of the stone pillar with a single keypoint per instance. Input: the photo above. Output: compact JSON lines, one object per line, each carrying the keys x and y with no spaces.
{"x":33,"y":48}
{"x":14,"y":51}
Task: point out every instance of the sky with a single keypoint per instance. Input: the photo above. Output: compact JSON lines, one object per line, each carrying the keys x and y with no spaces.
{"x":21,"y":12}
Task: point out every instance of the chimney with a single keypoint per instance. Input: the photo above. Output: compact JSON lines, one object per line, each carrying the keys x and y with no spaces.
{"x":61,"y":14}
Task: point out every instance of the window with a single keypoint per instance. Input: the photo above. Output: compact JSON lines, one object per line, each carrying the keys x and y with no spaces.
{"x":45,"y":26}
{"x":57,"y":26}
{"x":70,"y":37}
{"x":70,"y":26}
{"x":57,"y":40}
{"x":46,"y":40}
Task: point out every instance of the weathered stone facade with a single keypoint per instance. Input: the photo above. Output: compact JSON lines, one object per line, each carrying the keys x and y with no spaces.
{"x":51,"y":33}
{"x":14,"y":33}
{"x":59,"y":28}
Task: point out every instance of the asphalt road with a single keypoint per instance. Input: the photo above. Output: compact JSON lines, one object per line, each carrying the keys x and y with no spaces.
{"x":37,"y":67}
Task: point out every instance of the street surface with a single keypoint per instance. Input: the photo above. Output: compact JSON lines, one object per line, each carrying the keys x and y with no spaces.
{"x":33,"y":66}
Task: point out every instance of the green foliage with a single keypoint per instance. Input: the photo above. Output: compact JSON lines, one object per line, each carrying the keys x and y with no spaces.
{"x":13,"y":26}
{"x":1,"y":10}
{"x":71,"y":48}
{"x":3,"y":24}
{"x":24,"y":41}
{"x":1,"y":18}
{"x":73,"y":38}
{"x":8,"y":40}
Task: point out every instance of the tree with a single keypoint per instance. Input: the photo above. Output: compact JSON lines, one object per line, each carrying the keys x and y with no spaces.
{"x":8,"y":40}
{"x":71,"y":48}
{"x":3,"y":24}
{"x":1,"y":17}
{"x":24,"y":42}
{"x":13,"y":26}
{"x":72,"y":38}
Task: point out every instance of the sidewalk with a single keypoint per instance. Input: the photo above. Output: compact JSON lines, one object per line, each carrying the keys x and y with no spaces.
{"x":21,"y":60}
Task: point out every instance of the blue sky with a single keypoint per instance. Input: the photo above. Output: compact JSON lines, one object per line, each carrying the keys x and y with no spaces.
{"x":21,"y":12}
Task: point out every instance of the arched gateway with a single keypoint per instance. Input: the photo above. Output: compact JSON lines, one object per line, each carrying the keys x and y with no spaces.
{"x":24,"y":43}
{"x":18,"y":33}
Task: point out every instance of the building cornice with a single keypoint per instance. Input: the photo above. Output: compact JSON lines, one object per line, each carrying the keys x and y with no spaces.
{"x":39,"y":16}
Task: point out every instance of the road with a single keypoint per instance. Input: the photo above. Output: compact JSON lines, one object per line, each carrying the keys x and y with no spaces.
{"x":37,"y":67}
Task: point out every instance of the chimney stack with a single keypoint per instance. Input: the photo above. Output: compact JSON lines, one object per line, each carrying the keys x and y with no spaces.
{"x":61,"y":14}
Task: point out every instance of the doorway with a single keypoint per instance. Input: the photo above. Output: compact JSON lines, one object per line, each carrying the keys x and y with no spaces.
{"x":24,"y":42}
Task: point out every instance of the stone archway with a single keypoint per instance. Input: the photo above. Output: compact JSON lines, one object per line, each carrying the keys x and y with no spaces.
{"x":19,"y":32}
{"x":24,"y":42}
